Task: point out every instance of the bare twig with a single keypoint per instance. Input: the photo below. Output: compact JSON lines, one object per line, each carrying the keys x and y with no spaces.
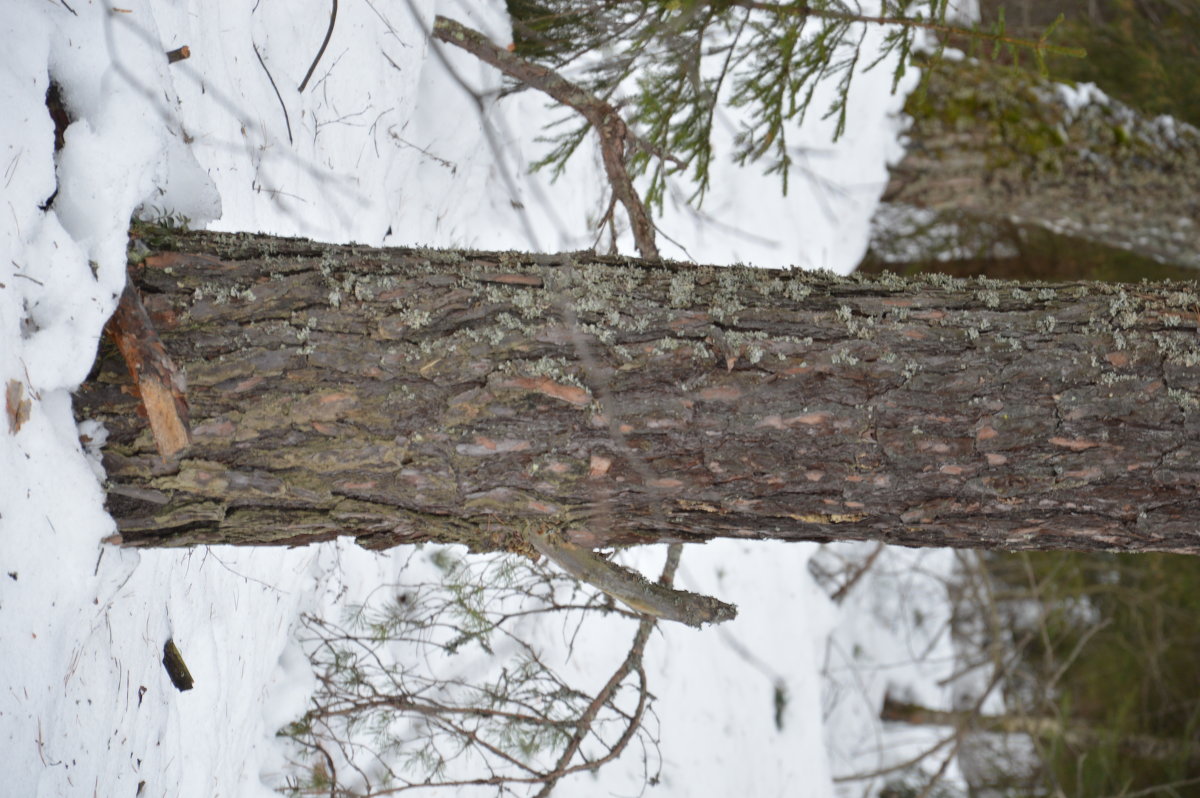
{"x":358,"y":680}
{"x":954,"y":740}
{"x":633,"y":661}
{"x":282,"y":105}
{"x":858,"y":574}
{"x":320,"y":52}
{"x":605,"y":119}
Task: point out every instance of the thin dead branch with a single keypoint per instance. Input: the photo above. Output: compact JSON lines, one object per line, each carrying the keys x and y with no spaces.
{"x":605,"y":119}
{"x":328,"y":35}
{"x":279,"y":96}
{"x":526,"y":727}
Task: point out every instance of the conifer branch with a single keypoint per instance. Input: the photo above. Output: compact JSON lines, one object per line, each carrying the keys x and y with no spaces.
{"x":680,"y":60}
{"x":605,"y":119}
{"x":804,"y":10}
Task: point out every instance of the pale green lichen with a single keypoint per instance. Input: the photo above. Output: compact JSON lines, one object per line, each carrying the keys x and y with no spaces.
{"x":603,"y":334}
{"x":1111,"y":378}
{"x":1187,"y":401}
{"x":843,"y":357}
{"x":1174,"y":351}
{"x":554,"y":368}
{"x":1182,"y":299}
{"x":415,"y":318}
{"x":797,"y":290}
{"x":666,"y":345}
{"x":989,"y":297}
{"x":529,"y":303}
{"x":446,"y":257}
{"x":892,"y":281}
{"x":941,"y":280}
{"x":222,"y":294}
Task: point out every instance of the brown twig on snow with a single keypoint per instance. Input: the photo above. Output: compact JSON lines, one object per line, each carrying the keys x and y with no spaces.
{"x":178,"y":54}
{"x":858,"y":574}
{"x":603,"y":117}
{"x":159,"y":382}
{"x":282,"y":104}
{"x":320,"y":52}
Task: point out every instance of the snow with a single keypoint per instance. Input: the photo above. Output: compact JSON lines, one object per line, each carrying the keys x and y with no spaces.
{"x":385,"y":146}
{"x":1075,"y":98}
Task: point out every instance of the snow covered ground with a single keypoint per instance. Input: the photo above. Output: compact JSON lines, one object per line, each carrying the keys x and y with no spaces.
{"x":385,"y":146}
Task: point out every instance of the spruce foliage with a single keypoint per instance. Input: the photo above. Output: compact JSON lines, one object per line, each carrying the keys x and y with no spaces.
{"x":670,"y":65}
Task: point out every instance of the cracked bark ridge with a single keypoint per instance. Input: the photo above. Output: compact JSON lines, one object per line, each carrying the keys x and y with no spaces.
{"x":414,"y":395}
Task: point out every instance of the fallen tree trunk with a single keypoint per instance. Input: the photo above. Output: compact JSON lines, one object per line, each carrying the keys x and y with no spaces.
{"x":412,"y":395}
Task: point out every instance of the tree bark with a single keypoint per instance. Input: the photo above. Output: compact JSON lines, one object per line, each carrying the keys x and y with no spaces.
{"x":415,"y":395}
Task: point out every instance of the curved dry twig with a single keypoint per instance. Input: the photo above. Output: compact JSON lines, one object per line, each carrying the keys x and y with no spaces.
{"x":607,"y":122}
{"x":359,"y":686}
{"x":321,"y":52}
{"x":282,"y":105}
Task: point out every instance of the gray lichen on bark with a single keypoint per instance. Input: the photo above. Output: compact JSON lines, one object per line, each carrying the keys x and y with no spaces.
{"x":408,"y":395}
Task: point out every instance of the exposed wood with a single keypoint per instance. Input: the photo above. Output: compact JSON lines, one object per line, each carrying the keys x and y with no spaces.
{"x":16,"y":406}
{"x":157,"y":381}
{"x":179,"y":54}
{"x":411,"y":395}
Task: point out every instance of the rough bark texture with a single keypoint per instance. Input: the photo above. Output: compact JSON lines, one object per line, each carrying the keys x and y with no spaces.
{"x":411,"y":395}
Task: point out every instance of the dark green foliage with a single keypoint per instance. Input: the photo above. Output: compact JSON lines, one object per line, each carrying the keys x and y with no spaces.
{"x":1116,"y":654}
{"x":1143,"y":52}
{"x":1149,"y":61}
